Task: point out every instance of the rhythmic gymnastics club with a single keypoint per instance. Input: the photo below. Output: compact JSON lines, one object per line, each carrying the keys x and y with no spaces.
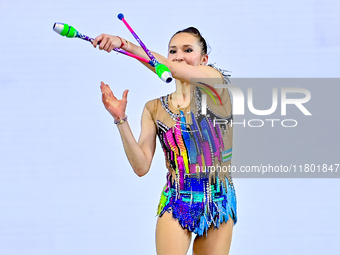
{"x":162,"y":71}
{"x":70,"y":32}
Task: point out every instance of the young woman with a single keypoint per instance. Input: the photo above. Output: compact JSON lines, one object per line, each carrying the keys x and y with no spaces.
{"x":199,"y":195}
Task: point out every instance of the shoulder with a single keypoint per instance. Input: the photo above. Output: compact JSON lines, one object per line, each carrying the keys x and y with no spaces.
{"x":154,"y":105}
{"x":225,"y":74}
{"x":151,"y":104}
{"x":223,"y":77}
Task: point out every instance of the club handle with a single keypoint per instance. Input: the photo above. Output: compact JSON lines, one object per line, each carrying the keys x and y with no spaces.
{"x":161,"y":70}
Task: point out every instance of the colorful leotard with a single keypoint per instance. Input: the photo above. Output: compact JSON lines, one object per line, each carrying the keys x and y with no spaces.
{"x":198,"y":148}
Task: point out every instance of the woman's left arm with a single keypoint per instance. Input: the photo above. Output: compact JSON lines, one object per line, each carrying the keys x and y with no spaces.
{"x":178,"y":70}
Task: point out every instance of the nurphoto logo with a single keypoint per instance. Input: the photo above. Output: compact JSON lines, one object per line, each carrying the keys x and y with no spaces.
{"x":239,"y":105}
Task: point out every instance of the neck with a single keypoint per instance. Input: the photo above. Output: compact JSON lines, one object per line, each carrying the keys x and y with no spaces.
{"x":182,"y":93}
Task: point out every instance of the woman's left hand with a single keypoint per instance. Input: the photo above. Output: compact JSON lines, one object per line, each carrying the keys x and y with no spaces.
{"x":107,"y":42}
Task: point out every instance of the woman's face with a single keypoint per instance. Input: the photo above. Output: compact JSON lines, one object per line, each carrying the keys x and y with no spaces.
{"x":184,"y":48}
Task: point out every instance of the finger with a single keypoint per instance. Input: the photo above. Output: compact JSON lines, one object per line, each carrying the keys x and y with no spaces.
{"x":125,"y":93}
{"x":102,"y":86}
{"x":104,"y":99}
{"x":103,"y":42}
{"x":110,"y":93}
{"x":108,"y":45}
{"x":111,"y":48}
{"x":105,"y":94}
{"x":97,"y":39}
{"x":107,"y":91}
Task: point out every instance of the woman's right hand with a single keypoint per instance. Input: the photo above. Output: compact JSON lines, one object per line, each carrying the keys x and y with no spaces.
{"x":114,"y":106}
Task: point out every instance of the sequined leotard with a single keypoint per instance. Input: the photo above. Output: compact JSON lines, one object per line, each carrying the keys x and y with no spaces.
{"x":198,"y":150}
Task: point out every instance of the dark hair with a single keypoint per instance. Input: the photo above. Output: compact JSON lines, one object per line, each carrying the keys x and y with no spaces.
{"x":194,"y":31}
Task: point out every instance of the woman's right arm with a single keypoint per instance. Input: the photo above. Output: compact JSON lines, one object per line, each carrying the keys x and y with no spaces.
{"x":139,"y":154}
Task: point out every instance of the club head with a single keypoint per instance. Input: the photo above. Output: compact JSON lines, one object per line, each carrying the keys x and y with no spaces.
{"x":163,"y":72}
{"x":58,"y":27}
{"x":65,"y":30}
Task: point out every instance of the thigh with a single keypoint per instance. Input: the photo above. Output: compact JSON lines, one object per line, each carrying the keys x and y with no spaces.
{"x":217,"y":242}
{"x":171,"y":238}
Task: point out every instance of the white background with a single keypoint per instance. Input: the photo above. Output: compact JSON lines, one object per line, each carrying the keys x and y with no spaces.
{"x":66,"y":186}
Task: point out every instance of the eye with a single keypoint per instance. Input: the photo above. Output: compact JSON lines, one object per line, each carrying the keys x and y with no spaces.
{"x":172,"y":51}
{"x":188,"y":50}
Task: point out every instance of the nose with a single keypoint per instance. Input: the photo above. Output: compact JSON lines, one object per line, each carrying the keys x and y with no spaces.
{"x":179,"y":57}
